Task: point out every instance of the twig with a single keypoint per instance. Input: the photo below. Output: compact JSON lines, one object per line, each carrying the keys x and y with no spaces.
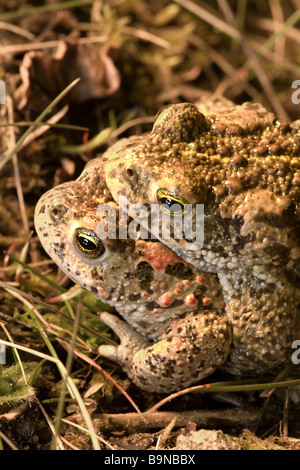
{"x":40,"y":118}
{"x":202,"y":418}
{"x":43,"y":128}
{"x":285,"y":414}
{"x":17,"y":48}
{"x":253,"y":60}
{"x":83,"y":429}
{"x":12,"y":15}
{"x":209,"y":18}
{"x":17,"y":30}
{"x":8,"y":441}
{"x":278,"y":16}
{"x":11,"y":132}
{"x":51,"y":426}
{"x":146,"y":36}
{"x":62,"y":395}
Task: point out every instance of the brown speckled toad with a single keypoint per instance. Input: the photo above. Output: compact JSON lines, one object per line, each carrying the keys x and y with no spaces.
{"x":243,"y":165}
{"x":176,"y":330}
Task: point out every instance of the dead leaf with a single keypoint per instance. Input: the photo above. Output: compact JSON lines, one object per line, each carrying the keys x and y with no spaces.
{"x":44,"y":76}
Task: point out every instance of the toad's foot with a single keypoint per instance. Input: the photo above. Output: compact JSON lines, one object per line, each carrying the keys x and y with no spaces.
{"x":190,"y":349}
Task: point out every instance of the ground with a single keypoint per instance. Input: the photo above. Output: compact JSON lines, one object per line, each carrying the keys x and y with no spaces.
{"x":132,"y":58}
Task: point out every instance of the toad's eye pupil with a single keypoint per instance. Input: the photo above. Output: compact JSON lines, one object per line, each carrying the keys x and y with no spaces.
{"x":86,"y":243}
{"x":174,"y":206}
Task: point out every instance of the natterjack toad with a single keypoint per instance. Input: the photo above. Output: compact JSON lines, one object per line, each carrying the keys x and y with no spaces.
{"x":177,"y":331}
{"x":243,"y":165}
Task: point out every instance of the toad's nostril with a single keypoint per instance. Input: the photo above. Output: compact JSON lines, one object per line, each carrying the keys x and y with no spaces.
{"x":130,"y":172}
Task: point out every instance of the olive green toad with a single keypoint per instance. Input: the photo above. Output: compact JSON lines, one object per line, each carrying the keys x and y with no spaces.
{"x":242,"y":164}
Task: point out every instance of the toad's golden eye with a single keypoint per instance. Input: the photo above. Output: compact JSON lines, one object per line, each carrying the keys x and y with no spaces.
{"x":171,"y":204}
{"x":88,"y":243}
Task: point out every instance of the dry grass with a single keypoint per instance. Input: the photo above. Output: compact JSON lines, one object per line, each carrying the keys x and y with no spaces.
{"x":155,"y":53}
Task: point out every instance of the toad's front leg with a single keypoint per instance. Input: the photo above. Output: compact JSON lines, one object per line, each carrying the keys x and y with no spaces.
{"x":190,"y":349}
